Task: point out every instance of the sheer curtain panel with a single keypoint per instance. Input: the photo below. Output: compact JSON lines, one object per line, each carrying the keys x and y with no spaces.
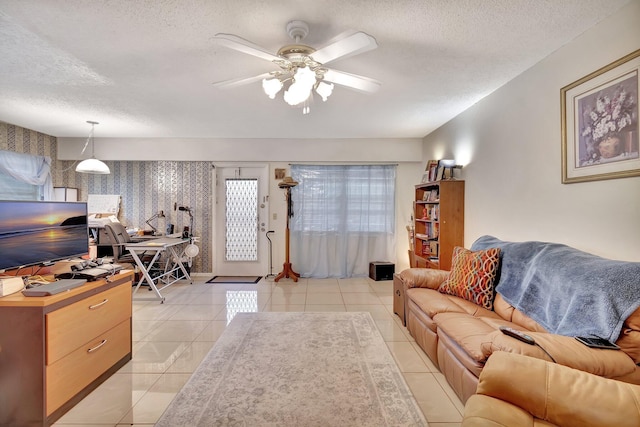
{"x":343,"y":219}
{"x":32,"y":173}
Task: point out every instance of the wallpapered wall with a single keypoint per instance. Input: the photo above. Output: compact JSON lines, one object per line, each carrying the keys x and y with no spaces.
{"x":145,"y":187}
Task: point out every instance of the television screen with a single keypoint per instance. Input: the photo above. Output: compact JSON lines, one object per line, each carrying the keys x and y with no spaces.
{"x":33,"y":232}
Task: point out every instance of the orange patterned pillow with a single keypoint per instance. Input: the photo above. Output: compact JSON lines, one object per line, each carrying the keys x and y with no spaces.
{"x":473,"y":275}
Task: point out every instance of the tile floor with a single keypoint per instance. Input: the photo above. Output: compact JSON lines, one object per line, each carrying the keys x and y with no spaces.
{"x":170,"y":340}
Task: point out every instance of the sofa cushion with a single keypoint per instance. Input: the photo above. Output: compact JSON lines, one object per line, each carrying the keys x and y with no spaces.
{"x":633,"y":321}
{"x":562,"y":396}
{"x":473,"y":275}
{"x":432,"y":302}
{"x":467,"y":331}
{"x":423,"y":277}
{"x":629,"y":342}
{"x":565,"y":350}
{"x":472,"y":308}
{"x":510,"y":313}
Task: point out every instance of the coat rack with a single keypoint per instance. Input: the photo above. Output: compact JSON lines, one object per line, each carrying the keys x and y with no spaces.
{"x":287,"y":271}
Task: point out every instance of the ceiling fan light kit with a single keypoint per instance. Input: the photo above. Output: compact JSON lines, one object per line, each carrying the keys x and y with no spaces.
{"x":302,"y":68}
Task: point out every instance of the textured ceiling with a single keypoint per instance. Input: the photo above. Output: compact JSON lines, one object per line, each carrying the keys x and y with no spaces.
{"x":144,"y":68}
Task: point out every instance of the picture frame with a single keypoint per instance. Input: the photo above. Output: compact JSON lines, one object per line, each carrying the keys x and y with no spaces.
{"x":279,"y":173}
{"x":425,"y":178}
{"x":599,"y":123}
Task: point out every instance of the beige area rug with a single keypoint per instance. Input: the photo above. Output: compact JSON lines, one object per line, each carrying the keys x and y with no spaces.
{"x":296,"y":369}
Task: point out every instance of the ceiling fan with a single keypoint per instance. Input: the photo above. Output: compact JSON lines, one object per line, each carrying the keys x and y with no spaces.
{"x":302,"y":69}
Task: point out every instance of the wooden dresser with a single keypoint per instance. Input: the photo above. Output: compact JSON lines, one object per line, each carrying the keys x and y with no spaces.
{"x":55,"y":350}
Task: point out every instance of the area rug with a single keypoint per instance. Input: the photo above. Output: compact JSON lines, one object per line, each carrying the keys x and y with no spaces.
{"x":296,"y":369}
{"x":234,"y":279}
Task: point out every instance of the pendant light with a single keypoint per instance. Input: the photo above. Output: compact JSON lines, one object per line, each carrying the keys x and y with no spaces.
{"x":92,"y":165}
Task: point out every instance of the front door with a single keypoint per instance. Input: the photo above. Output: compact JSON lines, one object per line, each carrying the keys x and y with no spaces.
{"x":241,"y":216}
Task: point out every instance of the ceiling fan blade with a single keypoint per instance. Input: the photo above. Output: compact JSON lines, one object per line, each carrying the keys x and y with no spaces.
{"x":350,"y":45}
{"x":363,"y":84}
{"x":228,"y":84}
{"x":245,"y":46}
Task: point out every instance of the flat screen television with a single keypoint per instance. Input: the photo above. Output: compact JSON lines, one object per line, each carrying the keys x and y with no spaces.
{"x":35,"y":232}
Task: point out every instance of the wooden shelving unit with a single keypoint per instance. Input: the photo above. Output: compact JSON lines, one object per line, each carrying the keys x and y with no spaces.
{"x":438,"y":212}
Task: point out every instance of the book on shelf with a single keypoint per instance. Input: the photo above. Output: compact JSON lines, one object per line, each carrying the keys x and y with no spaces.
{"x":425,"y":249}
{"x":433,"y":248}
{"x":432,"y":170}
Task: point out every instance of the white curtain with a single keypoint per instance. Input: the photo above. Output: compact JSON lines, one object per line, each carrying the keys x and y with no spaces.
{"x":28,"y":168}
{"x":343,"y":219}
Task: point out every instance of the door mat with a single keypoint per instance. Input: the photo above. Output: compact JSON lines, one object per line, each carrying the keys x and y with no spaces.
{"x":234,"y":279}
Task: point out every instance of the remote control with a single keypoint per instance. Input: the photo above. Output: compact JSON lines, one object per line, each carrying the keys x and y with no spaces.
{"x":517,"y":335}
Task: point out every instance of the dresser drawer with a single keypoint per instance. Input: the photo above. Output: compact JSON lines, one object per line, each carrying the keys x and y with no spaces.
{"x":74,"y":325}
{"x":69,"y":375}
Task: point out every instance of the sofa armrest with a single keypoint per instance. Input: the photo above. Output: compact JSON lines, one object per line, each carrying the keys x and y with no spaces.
{"x":565,"y":350}
{"x":423,"y":277}
{"x":555,"y":393}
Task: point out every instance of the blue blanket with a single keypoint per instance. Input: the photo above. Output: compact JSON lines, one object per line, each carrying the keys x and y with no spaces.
{"x":567,"y":291}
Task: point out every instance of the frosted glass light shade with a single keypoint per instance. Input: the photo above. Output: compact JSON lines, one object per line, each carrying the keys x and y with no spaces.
{"x":300,"y":89}
{"x":93,"y":165}
{"x":324,"y":90}
{"x":271,"y":87}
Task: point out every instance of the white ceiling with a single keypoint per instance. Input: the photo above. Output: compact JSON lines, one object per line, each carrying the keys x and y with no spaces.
{"x":144,"y":68}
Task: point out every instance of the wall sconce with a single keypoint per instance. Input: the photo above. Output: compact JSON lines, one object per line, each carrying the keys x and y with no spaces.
{"x":450,"y":165}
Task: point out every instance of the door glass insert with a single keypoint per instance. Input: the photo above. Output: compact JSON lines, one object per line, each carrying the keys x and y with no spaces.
{"x":241,"y":219}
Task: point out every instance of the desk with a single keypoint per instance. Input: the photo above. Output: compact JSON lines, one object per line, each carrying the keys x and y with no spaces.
{"x":173,"y":263}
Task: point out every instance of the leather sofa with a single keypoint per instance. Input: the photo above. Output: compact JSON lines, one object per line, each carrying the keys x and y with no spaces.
{"x":459,"y":335}
{"x":516,"y":390}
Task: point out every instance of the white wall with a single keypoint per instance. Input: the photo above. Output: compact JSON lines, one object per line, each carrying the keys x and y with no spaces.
{"x":510,"y":145}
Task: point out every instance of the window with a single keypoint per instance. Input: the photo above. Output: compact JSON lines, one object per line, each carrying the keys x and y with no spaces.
{"x":343,"y":218}
{"x":25,"y":177}
{"x":12,"y":189}
{"x":344,"y":198}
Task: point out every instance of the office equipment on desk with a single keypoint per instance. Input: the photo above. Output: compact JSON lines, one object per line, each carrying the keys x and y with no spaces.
{"x":103,"y":204}
{"x":53,"y":287}
{"x":173,"y":262}
{"x":10,"y":285}
{"x":92,"y":273}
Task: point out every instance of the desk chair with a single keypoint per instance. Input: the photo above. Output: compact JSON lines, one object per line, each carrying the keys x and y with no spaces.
{"x":118,"y":237}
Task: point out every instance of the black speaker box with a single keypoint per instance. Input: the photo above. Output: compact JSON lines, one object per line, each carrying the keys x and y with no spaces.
{"x":380,"y":270}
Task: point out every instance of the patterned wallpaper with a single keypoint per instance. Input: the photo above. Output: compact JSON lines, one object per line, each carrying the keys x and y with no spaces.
{"x":145,"y":187}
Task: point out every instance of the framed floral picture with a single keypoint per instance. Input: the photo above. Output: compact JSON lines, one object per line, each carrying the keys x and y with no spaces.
{"x":600,"y":123}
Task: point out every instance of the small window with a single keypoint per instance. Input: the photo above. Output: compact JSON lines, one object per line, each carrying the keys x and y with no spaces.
{"x":12,"y":189}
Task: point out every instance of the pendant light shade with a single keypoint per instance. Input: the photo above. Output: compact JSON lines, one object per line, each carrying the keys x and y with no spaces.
{"x":92,"y":165}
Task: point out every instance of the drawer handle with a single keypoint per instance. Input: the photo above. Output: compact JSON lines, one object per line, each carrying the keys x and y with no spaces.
{"x":91,"y":307}
{"x":91,"y":350}
{"x":398,"y":292}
